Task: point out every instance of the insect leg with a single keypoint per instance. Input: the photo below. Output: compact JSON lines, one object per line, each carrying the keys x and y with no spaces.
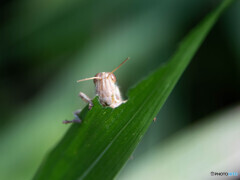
{"x":124,"y":101}
{"x":76,"y":119}
{"x":86,"y":99}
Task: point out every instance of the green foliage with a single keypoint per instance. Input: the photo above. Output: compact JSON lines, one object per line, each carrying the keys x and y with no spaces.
{"x":101,"y":145}
{"x":200,"y":146}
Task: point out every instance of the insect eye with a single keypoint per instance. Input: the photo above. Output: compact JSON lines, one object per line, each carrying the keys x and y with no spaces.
{"x":113,"y":77}
{"x":97,"y":75}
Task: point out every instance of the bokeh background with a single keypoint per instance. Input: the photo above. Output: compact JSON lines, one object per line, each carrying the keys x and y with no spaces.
{"x":45,"y":46}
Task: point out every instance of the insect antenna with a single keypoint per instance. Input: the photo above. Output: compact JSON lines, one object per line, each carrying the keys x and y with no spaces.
{"x":86,"y":79}
{"x":120,"y":65}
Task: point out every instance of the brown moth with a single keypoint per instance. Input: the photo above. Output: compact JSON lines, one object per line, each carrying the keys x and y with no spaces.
{"x":106,"y":89}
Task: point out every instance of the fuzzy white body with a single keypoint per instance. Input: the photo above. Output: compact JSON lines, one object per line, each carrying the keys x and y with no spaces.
{"x":107,"y":90}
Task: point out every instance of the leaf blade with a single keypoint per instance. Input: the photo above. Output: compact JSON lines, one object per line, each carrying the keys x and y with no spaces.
{"x":107,"y":137}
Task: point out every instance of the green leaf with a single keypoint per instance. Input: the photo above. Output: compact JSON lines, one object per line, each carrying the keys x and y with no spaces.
{"x":105,"y":140}
{"x":210,"y":145}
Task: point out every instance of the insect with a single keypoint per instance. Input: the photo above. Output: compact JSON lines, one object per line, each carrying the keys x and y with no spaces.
{"x":106,"y":89}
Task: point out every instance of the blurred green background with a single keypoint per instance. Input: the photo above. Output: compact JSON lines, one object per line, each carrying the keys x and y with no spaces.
{"x":45,"y":46}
